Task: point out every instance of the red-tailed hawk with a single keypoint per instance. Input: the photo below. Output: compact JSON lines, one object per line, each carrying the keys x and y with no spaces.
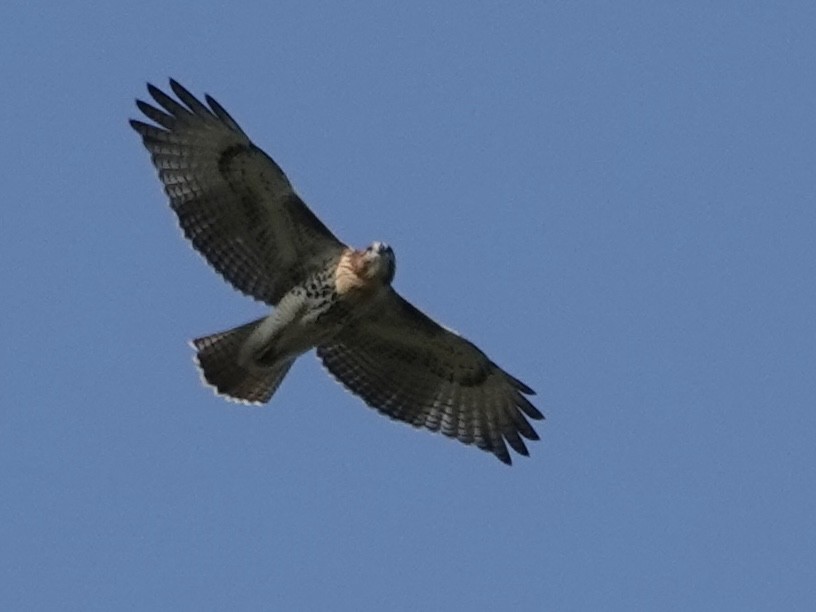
{"x":241,"y":213}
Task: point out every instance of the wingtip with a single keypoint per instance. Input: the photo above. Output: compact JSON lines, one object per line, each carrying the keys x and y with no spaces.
{"x":505,"y":459}
{"x":153,"y":90}
{"x":526,"y":390}
{"x":180,"y":90}
{"x":528,"y":409}
{"x":515,"y":441}
{"x":145,"y":107}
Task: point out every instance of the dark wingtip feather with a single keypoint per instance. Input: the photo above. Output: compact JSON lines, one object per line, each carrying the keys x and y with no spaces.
{"x":222,"y":114}
{"x":189,"y":99}
{"x":142,"y":105}
{"x":162,"y":118}
{"x":173,"y":107}
{"x":515,"y":441}
{"x":528,"y":409}
{"x":179,"y":90}
{"x":521,"y":386}
{"x":155,"y":92}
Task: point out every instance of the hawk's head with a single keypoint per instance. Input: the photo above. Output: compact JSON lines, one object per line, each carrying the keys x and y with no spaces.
{"x":379,"y":262}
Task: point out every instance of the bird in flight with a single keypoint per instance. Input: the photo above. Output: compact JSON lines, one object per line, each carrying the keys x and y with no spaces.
{"x":239,"y":210}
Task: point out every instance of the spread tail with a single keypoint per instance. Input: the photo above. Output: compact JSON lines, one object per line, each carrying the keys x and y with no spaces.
{"x":218,"y":359}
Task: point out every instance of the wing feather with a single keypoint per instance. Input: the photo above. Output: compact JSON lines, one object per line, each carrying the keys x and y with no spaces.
{"x":193,"y":103}
{"x":233,"y":202}
{"x":409,"y":368}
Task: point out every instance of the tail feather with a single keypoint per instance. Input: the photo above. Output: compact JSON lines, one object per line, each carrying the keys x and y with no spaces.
{"x":217,"y":357}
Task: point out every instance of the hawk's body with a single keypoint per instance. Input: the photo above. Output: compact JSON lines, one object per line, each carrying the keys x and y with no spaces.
{"x":239,"y":210}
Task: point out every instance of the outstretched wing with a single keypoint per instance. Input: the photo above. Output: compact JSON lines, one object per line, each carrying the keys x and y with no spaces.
{"x":232,"y":200}
{"x":410,"y":368}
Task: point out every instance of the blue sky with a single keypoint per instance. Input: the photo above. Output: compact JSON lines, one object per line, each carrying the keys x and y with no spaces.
{"x":617,"y":203}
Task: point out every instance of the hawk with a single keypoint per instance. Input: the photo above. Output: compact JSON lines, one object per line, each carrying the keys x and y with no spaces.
{"x":236,"y":206}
